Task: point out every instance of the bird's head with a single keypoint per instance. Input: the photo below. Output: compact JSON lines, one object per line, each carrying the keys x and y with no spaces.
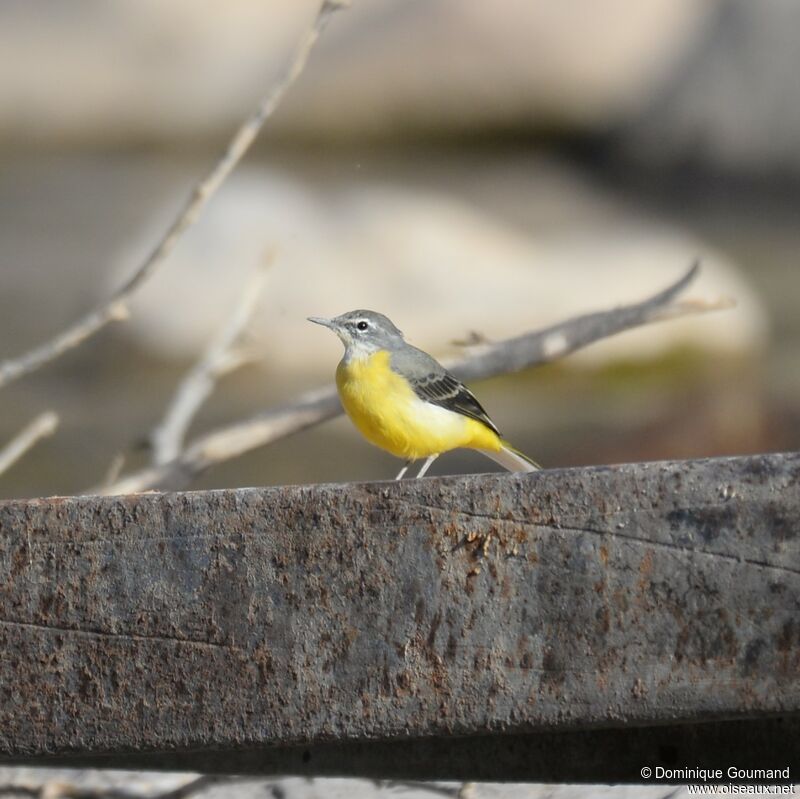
{"x":362,"y":332}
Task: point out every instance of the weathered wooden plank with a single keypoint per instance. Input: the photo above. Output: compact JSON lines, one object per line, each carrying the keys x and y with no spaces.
{"x":338,"y":620}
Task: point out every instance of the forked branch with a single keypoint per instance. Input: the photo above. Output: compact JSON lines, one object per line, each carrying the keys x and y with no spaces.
{"x":222,"y":357}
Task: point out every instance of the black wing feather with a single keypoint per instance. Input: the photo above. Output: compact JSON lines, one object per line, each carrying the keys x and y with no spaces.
{"x":446,"y":391}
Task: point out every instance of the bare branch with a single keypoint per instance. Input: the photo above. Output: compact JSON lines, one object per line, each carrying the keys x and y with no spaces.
{"x":314,"y":407}
{"x":42,"y":426}
{"x":219,"y":359}
{"x":543,"y":346}
{"x":230,"y":441}
{"x":115,"y":307}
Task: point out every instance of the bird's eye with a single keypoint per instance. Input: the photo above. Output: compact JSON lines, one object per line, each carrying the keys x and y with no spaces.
{"x":362,"y":325}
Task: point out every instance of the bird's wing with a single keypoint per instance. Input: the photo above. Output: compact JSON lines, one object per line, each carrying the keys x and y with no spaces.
{"x":444,"y":390}
{"x":433,"y":383}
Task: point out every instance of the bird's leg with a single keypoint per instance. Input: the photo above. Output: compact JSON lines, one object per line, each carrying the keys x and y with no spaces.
{"x":427,"y":465}
{"x":404,"y":470}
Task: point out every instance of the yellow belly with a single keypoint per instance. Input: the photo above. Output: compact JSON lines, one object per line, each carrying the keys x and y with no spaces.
{"x":384,"y":407}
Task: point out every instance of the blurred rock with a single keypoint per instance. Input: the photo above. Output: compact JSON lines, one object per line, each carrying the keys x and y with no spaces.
{"x":734,"y":104}
{"x":129,"y":70}
{"x":396,"y":66}
{"x":710,"y":83}
{"x":437,"y":264}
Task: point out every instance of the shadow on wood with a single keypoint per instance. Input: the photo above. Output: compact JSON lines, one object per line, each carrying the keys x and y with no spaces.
{"x":569,"y":624}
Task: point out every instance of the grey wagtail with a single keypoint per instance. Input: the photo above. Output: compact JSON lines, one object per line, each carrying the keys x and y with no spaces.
{"x":404,"y":401}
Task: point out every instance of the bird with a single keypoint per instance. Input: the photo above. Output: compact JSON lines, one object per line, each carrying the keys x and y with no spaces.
{"x":404,"y":401}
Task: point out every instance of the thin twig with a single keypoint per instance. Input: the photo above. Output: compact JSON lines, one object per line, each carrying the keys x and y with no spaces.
{"x":115,"y":469}
{"x":115,"y":307}
{"x":219,"y":359}
{"x":42,"y":426}
{"x":314,"y":407}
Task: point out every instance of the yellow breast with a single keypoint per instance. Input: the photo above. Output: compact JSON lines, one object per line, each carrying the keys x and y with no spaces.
{"x":384,"y":407}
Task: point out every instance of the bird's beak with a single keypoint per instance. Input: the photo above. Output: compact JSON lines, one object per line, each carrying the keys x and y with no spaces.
{"x":318,"y":320}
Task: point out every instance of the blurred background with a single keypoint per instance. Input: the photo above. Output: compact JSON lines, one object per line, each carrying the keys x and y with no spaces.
{"x":461,"y":166}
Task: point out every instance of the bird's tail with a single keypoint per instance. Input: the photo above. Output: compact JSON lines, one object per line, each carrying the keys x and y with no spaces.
{"x":511,"y":459}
